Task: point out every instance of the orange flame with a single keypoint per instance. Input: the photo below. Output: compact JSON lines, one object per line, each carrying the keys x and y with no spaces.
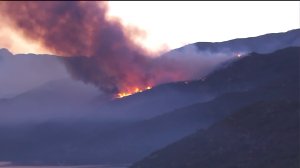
{"x":132,"y":91}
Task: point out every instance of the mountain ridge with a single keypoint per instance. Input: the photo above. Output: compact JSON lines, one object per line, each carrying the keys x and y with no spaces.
{"x":121,"y":142}
{"x":251,"y":137}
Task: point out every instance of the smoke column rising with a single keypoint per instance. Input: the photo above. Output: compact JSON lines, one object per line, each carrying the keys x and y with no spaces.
{"x":96,"y":49}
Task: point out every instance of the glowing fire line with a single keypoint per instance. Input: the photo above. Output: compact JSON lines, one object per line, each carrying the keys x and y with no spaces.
{"x":132,"y":91}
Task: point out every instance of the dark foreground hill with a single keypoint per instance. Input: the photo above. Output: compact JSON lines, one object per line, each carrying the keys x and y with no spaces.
{"x":264,"y":134}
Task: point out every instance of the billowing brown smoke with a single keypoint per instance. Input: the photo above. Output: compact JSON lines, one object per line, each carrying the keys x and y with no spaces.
{"x":112,"y":61}
{"x":97,"y":50}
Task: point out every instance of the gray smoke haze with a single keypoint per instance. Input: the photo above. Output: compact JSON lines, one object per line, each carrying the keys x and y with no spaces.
{"x":190,"y":63}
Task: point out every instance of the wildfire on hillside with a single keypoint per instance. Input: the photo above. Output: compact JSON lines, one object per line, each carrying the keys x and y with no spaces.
{"x":132,"y":91}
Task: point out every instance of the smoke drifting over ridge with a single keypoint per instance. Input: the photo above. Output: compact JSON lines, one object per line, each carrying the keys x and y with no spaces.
{"x":96,"y":49}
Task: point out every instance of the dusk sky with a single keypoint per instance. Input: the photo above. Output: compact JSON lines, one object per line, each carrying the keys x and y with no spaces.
{"x":174,"y":24}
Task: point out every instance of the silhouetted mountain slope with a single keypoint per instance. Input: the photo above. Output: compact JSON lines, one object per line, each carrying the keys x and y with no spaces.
{"x":149,"y":135}
{"x":264,"y":134}
{"x":89,"y":141}
{"x":241,"y":74}
{"x":254,"y":70}
{"x":277,"y":79}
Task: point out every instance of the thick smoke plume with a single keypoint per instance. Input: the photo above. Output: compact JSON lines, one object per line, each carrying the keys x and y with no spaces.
{"x":96,"y":49}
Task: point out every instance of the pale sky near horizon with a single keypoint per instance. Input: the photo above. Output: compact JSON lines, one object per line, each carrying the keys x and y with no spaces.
{"x":178,"y":23}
